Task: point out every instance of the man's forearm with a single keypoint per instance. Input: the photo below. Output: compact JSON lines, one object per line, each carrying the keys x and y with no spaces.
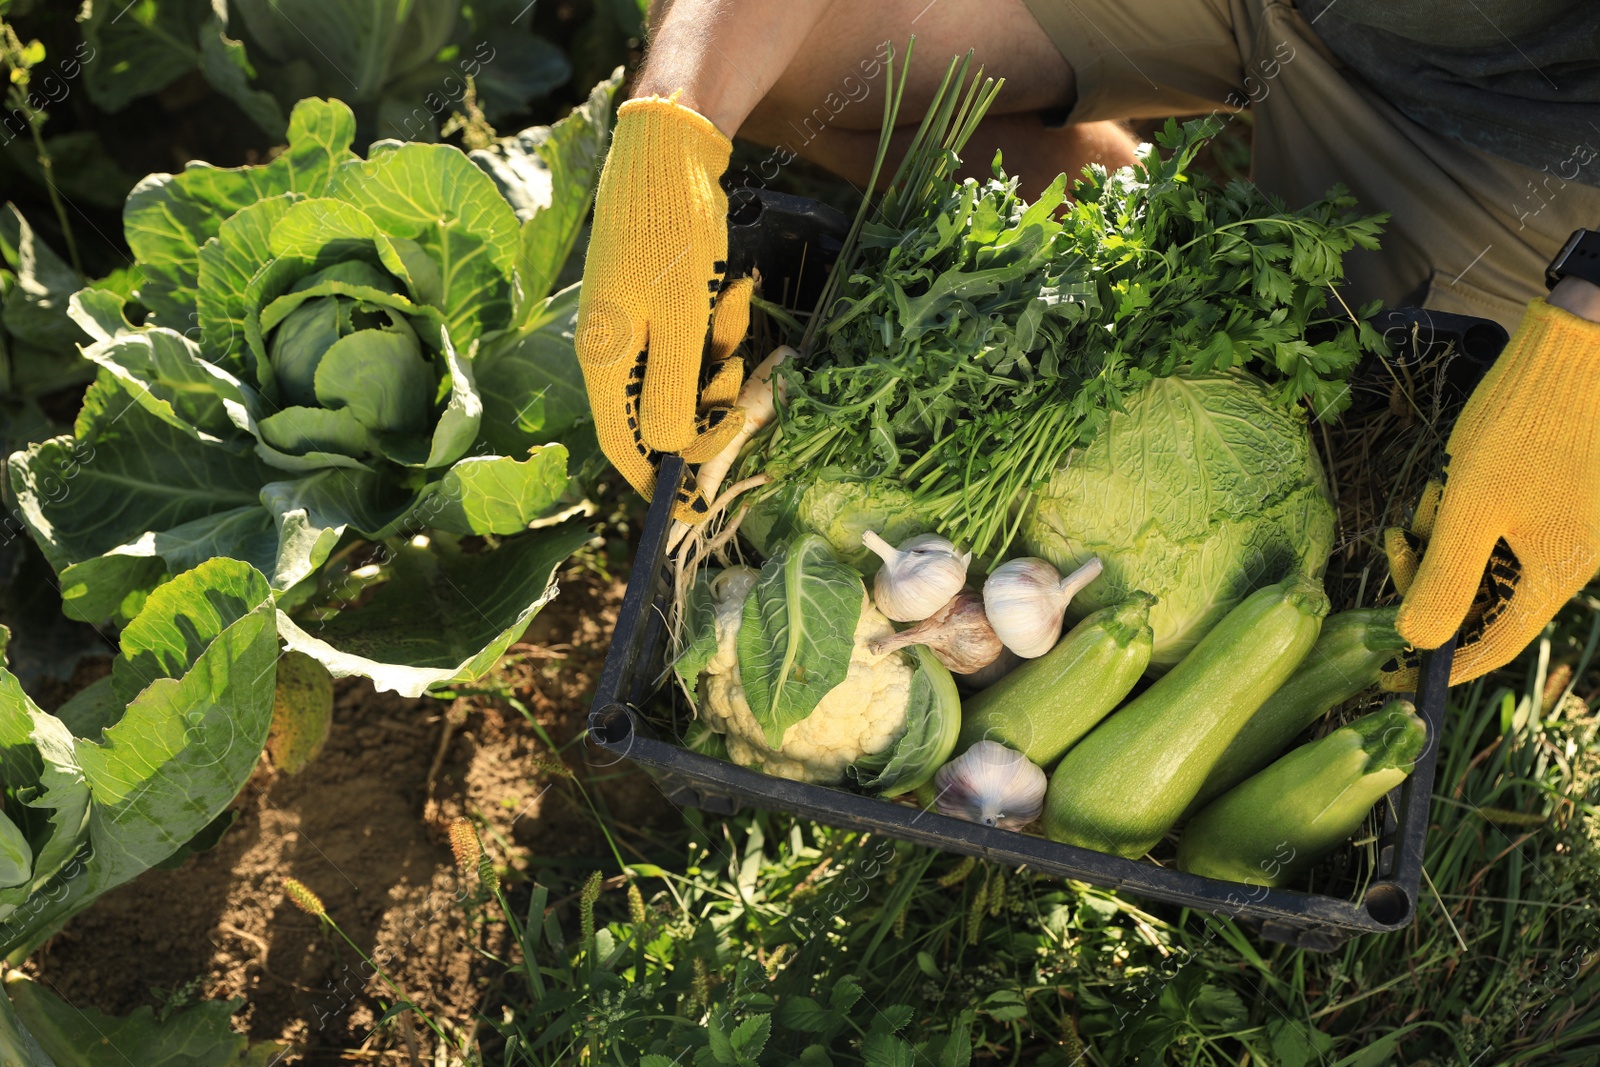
{"x":724,"y":55}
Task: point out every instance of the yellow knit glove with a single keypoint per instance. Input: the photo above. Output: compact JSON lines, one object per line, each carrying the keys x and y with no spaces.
{"x":1517,"y":530}
{"x":655,"y":320}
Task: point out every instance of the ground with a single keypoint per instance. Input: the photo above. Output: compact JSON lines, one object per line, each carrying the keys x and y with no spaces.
{"x":365,"y":827}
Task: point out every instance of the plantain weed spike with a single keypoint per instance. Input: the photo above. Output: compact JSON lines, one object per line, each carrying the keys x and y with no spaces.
{"x":487,"y":875}
{"x":465,"y":845}
{"x":980,"y":900}
{"x":304,"y":898}
{"x":636,"y":912}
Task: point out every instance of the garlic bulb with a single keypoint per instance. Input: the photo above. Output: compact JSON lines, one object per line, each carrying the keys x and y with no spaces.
{"x":957,"y":634}
{"x":918,"y":578}
{"x":1027,"y":598}
{"x":983,"y":678}
{"x":991,"y":784}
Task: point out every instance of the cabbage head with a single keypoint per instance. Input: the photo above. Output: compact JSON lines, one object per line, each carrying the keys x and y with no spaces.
{"x":1203,"y":490}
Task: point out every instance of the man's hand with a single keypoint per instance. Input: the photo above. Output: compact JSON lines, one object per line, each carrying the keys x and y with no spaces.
{"x":653,"y":295}
{"x":658,"y":322}
{"x":1517,"y":531}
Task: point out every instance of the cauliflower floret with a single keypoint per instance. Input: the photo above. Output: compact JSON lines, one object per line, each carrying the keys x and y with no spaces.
{"x":861,"y":716}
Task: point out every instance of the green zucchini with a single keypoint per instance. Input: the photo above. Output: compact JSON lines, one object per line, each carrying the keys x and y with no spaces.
{"x":1280,"y":823}
{"x":1122,"y":787}
{"x":1352,"y":649}
{"x":1042,"y":707}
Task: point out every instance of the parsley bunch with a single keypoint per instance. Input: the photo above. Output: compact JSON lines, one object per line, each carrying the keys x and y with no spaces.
{"x":972,"y":339}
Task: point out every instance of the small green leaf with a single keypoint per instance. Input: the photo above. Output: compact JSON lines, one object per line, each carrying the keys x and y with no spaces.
{"x":804,"y":1013}
{"x":1004,"y":1005}
{"x":495,"y":494}
{"x":750,"y":1037}
{"x":882,"y":1049}
{"x":846,"y":991}
{"x":892,"y":1018}
{"x":721,"y":1049}
{"x":1298,"y":1043}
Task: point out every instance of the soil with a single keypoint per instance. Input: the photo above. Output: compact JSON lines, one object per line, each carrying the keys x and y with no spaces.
{"x":365,"y":827}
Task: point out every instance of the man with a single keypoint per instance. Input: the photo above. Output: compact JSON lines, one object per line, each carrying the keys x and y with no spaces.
{"x":1475,"y":123}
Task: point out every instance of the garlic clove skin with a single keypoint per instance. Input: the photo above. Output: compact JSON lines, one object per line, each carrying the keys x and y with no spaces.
{"x":1022,"y":598}
{"x":958,"y":634}
{"x":991,"y":784}
{"x":979,"y":680}
{"x":1026,"y":600}
{"x":1078,"y":579}
{"x":918,"y":578}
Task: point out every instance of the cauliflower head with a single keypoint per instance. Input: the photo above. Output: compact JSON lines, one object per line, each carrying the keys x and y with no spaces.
{"x":861,"y":716}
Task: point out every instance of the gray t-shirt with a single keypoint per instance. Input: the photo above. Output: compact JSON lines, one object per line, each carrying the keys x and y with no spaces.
{"x":1519,"y":79}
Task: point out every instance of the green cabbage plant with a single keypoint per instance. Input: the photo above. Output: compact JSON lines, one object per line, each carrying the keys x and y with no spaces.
{"x":348,"y":373}
{"x":401,"y":64}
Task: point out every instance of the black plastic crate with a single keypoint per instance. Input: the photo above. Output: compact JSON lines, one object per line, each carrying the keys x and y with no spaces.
{"x":793,"y":240}
{"x":1308,"y":920}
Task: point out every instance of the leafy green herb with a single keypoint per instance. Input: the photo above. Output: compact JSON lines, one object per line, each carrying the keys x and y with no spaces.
{"x":975,"y":338}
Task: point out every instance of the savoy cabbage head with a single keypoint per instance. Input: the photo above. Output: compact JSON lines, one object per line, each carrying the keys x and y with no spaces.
{"x":1203,"y":490}
{"x":334,"y":369}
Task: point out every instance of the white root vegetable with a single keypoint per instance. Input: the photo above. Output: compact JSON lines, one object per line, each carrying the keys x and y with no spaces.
{"x":760,"y":405}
